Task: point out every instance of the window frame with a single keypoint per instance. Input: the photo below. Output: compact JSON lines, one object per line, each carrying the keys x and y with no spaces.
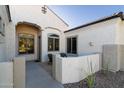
{"x":54,"y":38}
{"x":51,"y":44}
{"x":71,"y":37}
{"x":0,"y":24}
{"x":27,"y":38}
{"x":2,"y":27}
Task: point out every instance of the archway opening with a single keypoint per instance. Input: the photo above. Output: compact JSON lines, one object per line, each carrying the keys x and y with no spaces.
{"x":28,"y":38}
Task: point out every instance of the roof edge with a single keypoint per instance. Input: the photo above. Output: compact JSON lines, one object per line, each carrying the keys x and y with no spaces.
{"x":57,"y":15}
{"x":120,"y":14}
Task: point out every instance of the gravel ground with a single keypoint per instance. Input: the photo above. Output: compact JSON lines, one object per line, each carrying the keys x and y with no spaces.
{"x":102,"y":80}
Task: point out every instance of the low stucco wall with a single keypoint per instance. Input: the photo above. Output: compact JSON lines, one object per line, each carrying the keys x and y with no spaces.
{"x":2,"y":51}
{"x":12,"y":74}
{"x":74,"y":69}
{"x":19,"y":72}
{"x":121,"y":51}
{"x":6,"y":74}
{"x":113,"y":57}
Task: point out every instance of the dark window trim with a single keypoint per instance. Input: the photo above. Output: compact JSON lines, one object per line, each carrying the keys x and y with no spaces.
{"x":71,"y":44}
{"x":54,"y":38}
{"x":3,"y":27}
{"x":48,"y":44}
{"x":2,"y":34}
{"x":8,"y":13}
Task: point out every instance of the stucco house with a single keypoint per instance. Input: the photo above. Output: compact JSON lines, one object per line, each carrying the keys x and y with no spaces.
{"x":36,"y":31}
{"x":33,"y":32}
{"x":103,"y":36}
{"x":29,"y":30}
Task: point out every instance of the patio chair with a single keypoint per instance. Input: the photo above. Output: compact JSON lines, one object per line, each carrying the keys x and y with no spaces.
{"x":63,"y":54}
{"x":50,"y":58}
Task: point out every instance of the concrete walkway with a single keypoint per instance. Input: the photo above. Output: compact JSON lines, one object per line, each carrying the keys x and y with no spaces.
{"x":37,"y":77}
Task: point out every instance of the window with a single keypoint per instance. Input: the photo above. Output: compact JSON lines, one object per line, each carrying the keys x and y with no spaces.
{"x":53,"y":42}
{"x":72,"y":45}
{"x":56,"y":44}
{"x":26,"y":44}
{"x":0,"y":24}
{"x":50,"y":44}
{"x":2,"y":27}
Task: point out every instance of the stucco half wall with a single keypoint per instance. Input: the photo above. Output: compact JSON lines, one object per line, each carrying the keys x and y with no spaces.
{"x":113,"y":57}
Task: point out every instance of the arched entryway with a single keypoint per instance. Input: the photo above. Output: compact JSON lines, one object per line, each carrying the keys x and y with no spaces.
{"x":28,"y":38}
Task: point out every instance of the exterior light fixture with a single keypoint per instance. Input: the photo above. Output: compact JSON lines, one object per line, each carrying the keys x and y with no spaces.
{"x":91,"y":43}
{"x":44,"y":9}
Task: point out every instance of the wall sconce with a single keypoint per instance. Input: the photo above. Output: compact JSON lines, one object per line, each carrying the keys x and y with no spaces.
{"x":91,"y":43}
{"x":44,"y":9}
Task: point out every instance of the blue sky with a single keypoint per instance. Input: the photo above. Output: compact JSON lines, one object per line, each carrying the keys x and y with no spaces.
{"x":76,"y":15}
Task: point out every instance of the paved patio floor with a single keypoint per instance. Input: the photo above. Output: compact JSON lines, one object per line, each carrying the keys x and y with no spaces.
{"x":37,"y":77}
{"x":47,"y":67}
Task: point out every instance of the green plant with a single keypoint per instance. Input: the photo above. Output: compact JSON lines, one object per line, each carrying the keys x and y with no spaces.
{"x":90,"y":81}
{"x":91,"y":78}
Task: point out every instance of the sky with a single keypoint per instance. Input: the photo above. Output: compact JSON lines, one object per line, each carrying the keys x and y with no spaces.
{"x":76,"y":15}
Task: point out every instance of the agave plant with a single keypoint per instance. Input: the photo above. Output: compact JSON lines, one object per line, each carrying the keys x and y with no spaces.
{"x":91,"y":78}
{"x":90,"y":81}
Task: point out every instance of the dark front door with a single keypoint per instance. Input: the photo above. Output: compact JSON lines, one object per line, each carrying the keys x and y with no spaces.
{"x":39,"y":47}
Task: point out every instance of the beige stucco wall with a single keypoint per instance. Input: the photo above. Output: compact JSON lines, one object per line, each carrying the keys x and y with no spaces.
{"x":19,"y":72}
{"x":120,"y":42}
{"x":120,"y":32}
{"x":13,"y":73}
{"x":2,"y":38}
{"x":7,"y":42}
{"x":28,"y":30}
{"x":111,"y":57}
{"x":74,"y":69}
{"x":6,"y":74}
{"x":99,"y":34}
{"x":121,"y":55}
{"x":10,"y":37}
